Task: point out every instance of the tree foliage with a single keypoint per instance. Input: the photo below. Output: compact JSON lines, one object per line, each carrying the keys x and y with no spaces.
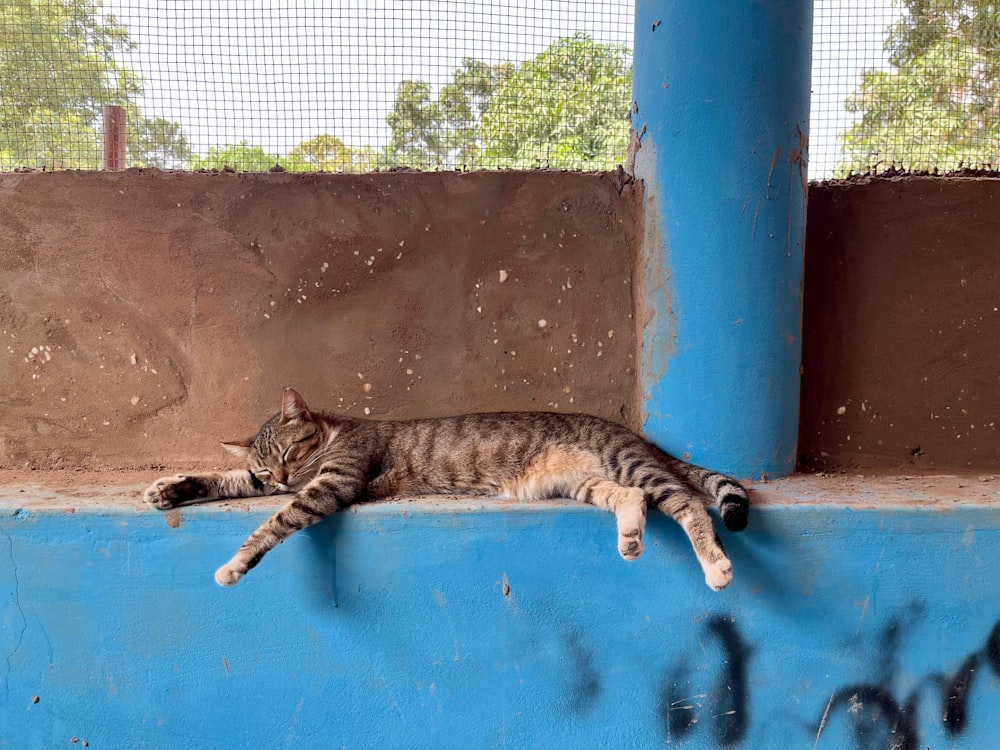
{"x":436,"y":131}
{"x":329,"y":154}
{"x":57,"y":71}
{"x":242,"y":156}
{"x":938,"y":106}
{"x":566,"y":108}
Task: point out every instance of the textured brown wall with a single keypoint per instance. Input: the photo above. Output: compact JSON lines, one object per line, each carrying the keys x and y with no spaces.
{"x":901,"y":334}
{"x":147,"y":315}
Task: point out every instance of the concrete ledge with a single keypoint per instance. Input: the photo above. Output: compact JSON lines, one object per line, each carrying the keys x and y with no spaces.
{"x":864,"y":612}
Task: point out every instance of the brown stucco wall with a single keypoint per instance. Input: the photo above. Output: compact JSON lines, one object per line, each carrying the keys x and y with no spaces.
{"x":901,"y":329}
{"x":147,"y":315}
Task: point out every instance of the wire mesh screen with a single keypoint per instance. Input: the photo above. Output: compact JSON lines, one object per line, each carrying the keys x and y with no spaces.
{"x":305,"y":85}
{"x":357,"y":85}
{"x":905,"y":85}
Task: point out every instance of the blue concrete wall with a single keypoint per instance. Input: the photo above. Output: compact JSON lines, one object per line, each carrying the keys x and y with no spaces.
{"x":430,"y":625}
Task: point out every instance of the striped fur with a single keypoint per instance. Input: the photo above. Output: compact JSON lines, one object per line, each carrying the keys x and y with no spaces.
{"x":329,"y":462}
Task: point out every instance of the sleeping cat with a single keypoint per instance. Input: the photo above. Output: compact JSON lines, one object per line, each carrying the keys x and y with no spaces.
{"x":329,"y":462}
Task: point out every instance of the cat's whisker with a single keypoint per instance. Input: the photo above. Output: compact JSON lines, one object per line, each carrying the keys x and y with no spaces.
{"x":318,"y":454}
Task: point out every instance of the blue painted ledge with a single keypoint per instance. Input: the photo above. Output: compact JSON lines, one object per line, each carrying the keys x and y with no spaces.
{"x":864,"y":613}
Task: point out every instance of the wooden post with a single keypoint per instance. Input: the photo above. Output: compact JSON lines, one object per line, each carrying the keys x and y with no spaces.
{"x":115,"y":138}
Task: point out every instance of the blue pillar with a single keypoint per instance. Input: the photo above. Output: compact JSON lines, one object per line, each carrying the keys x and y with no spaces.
{"x":721,"y":90}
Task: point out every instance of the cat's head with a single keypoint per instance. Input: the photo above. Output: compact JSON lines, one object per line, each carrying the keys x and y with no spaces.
{"x":287,"y":449}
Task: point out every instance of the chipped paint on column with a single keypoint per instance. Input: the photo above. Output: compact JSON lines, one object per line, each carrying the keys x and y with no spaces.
{"x":721,"y":108}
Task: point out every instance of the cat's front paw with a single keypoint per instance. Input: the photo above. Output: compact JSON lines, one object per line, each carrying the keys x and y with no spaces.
{"x":719,"y":574}
{"x":630,"y":545}
{"x":169,"y":491}
{"x":227,"y":575}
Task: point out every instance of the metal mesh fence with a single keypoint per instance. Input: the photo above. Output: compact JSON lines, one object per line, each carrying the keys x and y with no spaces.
{"x":905,"y":84}
{"x":357,"y":85}
{"x":352,"y":85}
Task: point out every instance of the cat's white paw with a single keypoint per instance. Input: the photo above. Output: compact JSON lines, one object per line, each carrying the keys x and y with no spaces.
{"x":227,"y":575}
{"x":159,"y":494}
{"x":630,"y":544}
{"x":719,"y":574}
{"x":167,"y":492}
{"x":630,"y":513}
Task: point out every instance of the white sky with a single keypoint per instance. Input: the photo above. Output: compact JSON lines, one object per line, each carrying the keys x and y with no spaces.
{"x":276,"y":73}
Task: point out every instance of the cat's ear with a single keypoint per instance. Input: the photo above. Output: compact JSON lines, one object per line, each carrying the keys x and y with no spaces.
{"x":293,"y":406}
{"x":240,"y":450}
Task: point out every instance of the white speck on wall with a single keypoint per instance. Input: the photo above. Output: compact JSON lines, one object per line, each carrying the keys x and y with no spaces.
{"x":542,"y":323}
{"x":367,"y":410}
{"x":841,"y":410}
{"x":134,"y":400}
{"x":503,"y":276}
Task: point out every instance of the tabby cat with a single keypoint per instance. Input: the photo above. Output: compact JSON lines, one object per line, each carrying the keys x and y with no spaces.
{"x":329,"y":462}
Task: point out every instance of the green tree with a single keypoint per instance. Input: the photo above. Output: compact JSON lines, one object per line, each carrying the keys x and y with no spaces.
{"x":566,"y":108}
{"x":58,"y":69}
{"x":416,"y":125}
{"x":156,"y":142}
{"x":242,"y":156}
{"x":938,"y":106}
{"x":433,"y":131}
{"x":328,"y":153}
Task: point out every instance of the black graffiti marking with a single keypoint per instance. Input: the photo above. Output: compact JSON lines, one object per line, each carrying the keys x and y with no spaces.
{"x":728,"y":700}
{"x":955,"y":691}
{"x":993,"y":649}
{"x":880,"y":721}
{"x":586,"y":685}
{"x":677,"y":706}
{"x":955,"y":696}
{"x":732,"y":691}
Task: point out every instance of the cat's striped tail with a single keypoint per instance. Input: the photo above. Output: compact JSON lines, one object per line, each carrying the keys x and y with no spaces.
{"x":731,"y":496}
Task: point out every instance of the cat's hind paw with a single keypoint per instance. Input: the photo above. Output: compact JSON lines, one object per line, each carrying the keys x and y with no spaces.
{"x":227,"y":575}
{"x":719,"y":574}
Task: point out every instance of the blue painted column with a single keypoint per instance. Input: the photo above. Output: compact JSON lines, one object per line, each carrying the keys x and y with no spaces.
{"x":721,"y":90}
